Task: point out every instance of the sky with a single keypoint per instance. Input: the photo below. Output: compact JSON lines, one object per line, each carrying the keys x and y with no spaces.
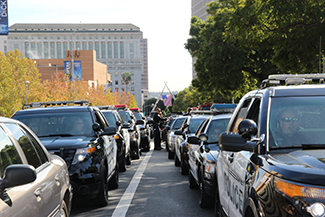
{"x":165,"y":24}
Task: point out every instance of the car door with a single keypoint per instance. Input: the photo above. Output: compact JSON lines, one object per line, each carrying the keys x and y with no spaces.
{"x":239,"y":164}
{"x":110,"y":146}
{"x":44,"y":193}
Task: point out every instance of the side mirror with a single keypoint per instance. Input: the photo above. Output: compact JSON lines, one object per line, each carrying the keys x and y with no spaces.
{"x":193,"y":140}
{"x":108,"y":131}
{"x":96,"y":127}
{"x":234,"y":142}
{"x":126,"y":125}
{"x":118,"y":123}
{"x":178,"y":132}
{"x":247,"y":128}
{"x":139,"y":122}
{"x":17,"y":174}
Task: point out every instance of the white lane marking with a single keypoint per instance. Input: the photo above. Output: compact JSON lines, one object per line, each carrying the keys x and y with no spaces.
{"x":124,"y":203}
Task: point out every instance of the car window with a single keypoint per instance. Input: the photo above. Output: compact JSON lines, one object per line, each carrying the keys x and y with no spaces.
{"x":202,"y":127}
{"x":194,"y":124}
{"x":297,"y":121}
{"x":8,"y":152}
{"x":110,"y":119}
{"x":216,"y":127}
{"x":178,"y":123}
{"x":32,"y":153}
{"x":240,"y":115}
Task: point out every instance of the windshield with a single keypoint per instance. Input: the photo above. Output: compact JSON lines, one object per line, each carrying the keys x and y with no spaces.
{"x":110,"y":119}
{"x":138,"y":116}
{"x":177,"y":123}
{"x":194,"y":124}
{"x":125,"y":116}
{"x":297,"y":121}
{"x":215,"y":128}
{"x":58,"y":124}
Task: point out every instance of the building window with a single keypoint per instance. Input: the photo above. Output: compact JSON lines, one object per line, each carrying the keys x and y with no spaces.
{"x":33,"y":48}
{"x":84,"y":45}
{"x":122,"y":50}
{"x":131,"y":56}
{"x":46,"y":50}
{"x":27,"y":49}
{"x":116,"y":82}
{"x":16,"y":46}
{"x":116,"y":73}
{"x":65,"y":48}
{"x":97,"y":49}
{"x":39,"y":50}
{"x":103,"y":49}
{"x":109,"y":50}
{"x":91,"y":45}
{"x":132,"y":88}
{"x":131,"y":47}
{"x":115,"y":50}
{"x":59,"y":50}
{"x":78,"y":46}
{"x":52,"y":47}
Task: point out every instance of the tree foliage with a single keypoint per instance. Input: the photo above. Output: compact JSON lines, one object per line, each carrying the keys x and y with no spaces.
{"x":16,"y":70}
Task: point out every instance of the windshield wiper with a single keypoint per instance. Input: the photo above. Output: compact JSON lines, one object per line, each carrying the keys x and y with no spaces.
{"x":310,"y":146}
{"x":61,"y":134}
{"x":303,"y":146}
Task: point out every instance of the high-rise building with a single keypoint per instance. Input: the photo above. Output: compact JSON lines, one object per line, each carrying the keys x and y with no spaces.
{"x":120,"y":46}
{"x":199,"y":8}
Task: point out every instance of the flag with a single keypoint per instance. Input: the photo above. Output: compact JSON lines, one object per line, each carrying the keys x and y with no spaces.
{"x":167,"y":99}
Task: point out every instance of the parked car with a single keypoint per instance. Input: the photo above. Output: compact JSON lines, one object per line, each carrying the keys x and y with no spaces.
{"x":271,"y":159}
{"x":188,"y":128}
{"x":202,"y":154}
{"x":32,"y":182}
{"x":122,"y":136}
{"x":171,"y":137}
{"x":144,"y":126}
{"x":133,"y":128}
{"x":79,"y":133}
{"x":166,"y":130}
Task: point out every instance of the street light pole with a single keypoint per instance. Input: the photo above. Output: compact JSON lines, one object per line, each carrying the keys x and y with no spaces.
{"x":26,"y":82}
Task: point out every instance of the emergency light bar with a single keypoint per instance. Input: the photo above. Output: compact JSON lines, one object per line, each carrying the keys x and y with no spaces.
{"x":292,"y":79}
{"x":56,"y":103}
{"x":223,"y":108}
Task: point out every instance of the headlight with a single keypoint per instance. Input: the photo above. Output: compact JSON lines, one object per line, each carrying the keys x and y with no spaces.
{"x":316,"y":209}
{"x":81,"y":154}
{"x":209,"y":168}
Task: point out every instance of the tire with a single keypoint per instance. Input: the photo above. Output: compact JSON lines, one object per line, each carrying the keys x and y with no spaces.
{"x":137,"y":153}
{"x":102,"y":196}
{"x":191,"y":181}
{"x":217,"y":206}
{"x":122,"y":163}
{"x":114,"y":180}
{"x":170,"y":154}
{"x":184,"y":168}
{"x":177,"y":163}
{"x":128,"y":159}
{"x":64,"y":210}
{"x":205,"y":201}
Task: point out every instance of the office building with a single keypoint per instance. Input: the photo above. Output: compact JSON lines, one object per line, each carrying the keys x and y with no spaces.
{"x":119,"y":46}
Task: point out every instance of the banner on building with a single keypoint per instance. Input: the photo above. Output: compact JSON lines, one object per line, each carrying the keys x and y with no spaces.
{"x":77,"y":75}
{"x":4,"y":17}
{"x":167,"y":99}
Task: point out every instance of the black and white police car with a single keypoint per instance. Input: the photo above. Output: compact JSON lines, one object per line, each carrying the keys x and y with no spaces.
{"x":272,"y":157}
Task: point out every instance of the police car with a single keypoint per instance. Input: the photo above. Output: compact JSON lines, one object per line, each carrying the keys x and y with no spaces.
{"x":272,"y":157}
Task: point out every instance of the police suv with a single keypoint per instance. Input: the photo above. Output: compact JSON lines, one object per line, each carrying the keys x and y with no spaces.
{"x":272,"y":157}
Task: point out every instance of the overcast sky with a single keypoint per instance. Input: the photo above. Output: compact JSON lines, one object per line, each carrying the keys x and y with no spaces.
{"x":164,"y":23}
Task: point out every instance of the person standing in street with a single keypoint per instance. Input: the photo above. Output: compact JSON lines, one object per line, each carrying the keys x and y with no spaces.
{"x":157,"y":122}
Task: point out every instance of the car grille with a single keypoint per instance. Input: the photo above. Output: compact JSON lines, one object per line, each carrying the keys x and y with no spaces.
{"x":66,"y":154}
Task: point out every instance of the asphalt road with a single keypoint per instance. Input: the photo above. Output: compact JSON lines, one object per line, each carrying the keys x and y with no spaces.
{"x":151,"y":186}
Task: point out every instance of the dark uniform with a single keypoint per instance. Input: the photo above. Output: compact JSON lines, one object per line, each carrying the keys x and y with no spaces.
{"x":157,"y":122}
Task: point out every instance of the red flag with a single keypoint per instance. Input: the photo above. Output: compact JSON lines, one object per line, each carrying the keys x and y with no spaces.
{"x":167,"y":100}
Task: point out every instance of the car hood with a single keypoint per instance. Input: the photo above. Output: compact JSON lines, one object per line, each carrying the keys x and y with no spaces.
{"x":307,"y":166}
{"x":73,"y":142}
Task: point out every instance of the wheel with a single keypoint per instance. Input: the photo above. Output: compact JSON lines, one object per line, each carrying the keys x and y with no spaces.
{"x":137,"y":153}
{"x":113,"y":182}
{"x":102,"y":196}
{"x":64,"y":210}
{"x":128,"y":159}
{"x":170,"y":154}
{"x":184,"y":168}
{"x":205,"y":201}
{"x":122,"y":163}
{"x":217,"y":206}
{"x":191,"y":181}
{"x":177,"y":162}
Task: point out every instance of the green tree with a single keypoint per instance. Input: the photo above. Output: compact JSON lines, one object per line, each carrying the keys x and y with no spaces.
{"x":291,"y":29}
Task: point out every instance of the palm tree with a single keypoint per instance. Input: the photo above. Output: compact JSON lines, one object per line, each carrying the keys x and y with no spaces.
{"x":126,"y":79}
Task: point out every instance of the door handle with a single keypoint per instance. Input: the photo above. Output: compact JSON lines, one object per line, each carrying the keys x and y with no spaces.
{"x":38,"y":193}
